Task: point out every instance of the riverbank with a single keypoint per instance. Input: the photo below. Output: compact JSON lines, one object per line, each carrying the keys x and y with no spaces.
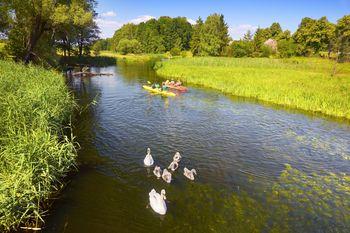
{"x":132,"y":57}
{"x":35,"y":154}
{"x":303,"y":83}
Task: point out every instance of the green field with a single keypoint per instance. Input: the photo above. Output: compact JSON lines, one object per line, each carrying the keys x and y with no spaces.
{"x":303,"y":83}
{"x":35,"y":154}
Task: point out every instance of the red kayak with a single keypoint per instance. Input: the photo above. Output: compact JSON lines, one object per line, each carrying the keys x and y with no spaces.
{"x":178,"y":88}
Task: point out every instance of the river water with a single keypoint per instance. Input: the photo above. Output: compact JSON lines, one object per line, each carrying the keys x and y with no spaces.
{"x":260,"y":168}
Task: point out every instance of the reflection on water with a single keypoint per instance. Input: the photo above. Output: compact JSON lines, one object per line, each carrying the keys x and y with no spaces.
{"x":238,"y":148}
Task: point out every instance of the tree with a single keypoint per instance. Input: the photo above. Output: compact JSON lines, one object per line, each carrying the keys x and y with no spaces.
{"x":196,"y":37}
{"x":261,"y":35}
{"x":126,"y":46}
{"x":214,"y":35}
{"x":4,"y":18}
{"x":157,"y":36}
{"x":275,"y":30}
{"x":175,"y":32}
{"x":342,"y":38}
{"x":127,"y":31}
{"x":313,"y":36}
{"x":248,"y":36}
{"x":35,"y":24}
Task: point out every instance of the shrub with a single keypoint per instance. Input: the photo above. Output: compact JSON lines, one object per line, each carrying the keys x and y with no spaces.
{"x":241,"y":49}
{"x":266,"y":51}
{"x":186,"y":54}
{"x":126,"y":46}
{"x":286,"y":48}
{"x":175,"y":51}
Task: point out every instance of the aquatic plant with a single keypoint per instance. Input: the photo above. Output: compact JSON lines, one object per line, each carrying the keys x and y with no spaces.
{"x":310,"y":203}
{"x":35,"y":154}
{"x":303,"y":83}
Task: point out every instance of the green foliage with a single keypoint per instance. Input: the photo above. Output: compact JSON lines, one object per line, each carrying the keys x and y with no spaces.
{"x":128,"y":31}
{"x":214,"y":36}
{"x":313,"y":35}
{"x":299,"y":83}
{"x":261,"y":35}
{"x":240,"y":48}
{"x":35,"y":154}
{"x":286,"y":48}
{"x":4,"y":18}
{"x":266,"y":51}
{"x":157,"y":36}
{"x":175,"y":51}
{"x":196,"y":37}
{"x":100,"y":45}
{"x":275,"y":30}
{"x":343,"y":38}
{"x":2,"y":50}
{"x":37,"y":27}
{"x":126,"y":46}
{"x":186,"y":54}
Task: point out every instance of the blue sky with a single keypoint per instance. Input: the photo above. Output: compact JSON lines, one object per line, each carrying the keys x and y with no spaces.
{"x":239,"y":15}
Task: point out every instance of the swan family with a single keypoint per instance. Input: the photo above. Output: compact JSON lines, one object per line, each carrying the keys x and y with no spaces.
{"x":157,"y":200}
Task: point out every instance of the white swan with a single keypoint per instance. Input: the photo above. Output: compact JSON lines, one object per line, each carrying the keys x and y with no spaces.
{"x":148,"y":161}
{"x":173,"y":166}
{"x":157,"y":202}
{"x":190,"y":173}
{"x":157,"y":172}
{"x":177,"y":157}
{"x":166,"y":176}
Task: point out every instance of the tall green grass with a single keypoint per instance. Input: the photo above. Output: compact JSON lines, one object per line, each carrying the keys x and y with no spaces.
{"x":304,"y":83}
{"x":130,"y":58}
{"x":34,"y":153}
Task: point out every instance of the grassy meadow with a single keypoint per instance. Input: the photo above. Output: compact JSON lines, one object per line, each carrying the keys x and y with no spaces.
{"x":34,"y":153}
{"x":132,"y":57}
{"x":303,"y":83}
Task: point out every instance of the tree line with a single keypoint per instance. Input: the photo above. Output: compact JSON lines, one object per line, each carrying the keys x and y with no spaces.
{"x":36,"y":29}
{"x":211,"y":38}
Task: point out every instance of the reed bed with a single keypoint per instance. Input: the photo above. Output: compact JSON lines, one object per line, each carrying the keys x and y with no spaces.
{"x":35,"y":154}
{"x":304,"y":83}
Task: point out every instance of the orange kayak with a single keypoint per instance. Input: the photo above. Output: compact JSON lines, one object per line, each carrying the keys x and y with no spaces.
{"x":178,"y":88}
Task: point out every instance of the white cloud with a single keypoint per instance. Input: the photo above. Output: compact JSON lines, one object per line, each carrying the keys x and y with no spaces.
{"x":109,"y":14}
{"x":108,"y":27}
{"x":191,"y":21}
{"x":142,"y":19}
{"x":239,"y":31}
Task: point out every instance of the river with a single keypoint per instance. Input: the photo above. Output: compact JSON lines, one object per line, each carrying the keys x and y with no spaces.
{"x":260,"y":168}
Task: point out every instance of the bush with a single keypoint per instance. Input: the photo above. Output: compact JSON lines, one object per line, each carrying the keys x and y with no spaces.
{"x":175,"y":51}
{"x":186,"y":54}
{"x":286,"y":48}
{"x":240,"y":48}
{"x":266,"y":51}
{"x":126,"y":46}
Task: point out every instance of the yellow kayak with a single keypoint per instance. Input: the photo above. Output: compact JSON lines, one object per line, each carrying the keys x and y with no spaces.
{"x":158,"y":91}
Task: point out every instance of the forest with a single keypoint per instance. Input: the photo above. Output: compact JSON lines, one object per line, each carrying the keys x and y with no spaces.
{"x":211,"y":38}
